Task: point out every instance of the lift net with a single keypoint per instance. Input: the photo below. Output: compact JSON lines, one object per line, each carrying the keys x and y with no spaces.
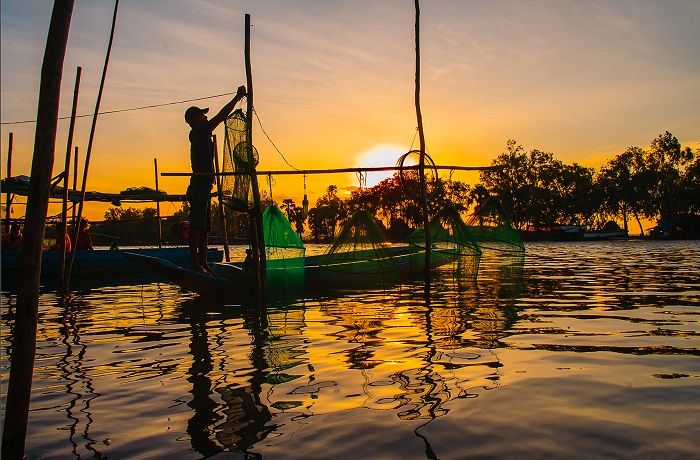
{"x":360,"y":248}
{"x":284,"y":249}
{"x":492,"y":228}
{"x":450,"y":241}
{"x":236,"y":189}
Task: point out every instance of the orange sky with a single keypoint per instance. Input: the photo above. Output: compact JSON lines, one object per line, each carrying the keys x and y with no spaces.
{"x":334,"y":82}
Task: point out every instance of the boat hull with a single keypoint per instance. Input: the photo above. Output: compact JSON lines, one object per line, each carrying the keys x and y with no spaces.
{"x":99,"y":261}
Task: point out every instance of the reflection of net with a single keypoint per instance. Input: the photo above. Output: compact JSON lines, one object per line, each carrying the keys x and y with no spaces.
{"x":450,"y":241}
{"x":359,"y":249}
{"x":492,"y":228}
{"x":409,"y":179}
{"x":283,"y":246}
{"x":236,"y":189}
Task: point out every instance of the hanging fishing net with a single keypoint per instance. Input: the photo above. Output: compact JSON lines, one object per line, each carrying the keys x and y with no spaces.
{"x":492,"y":228}
{"x":236,"y":189}
{"x":284,"y":249}
{"x":360,"y":253}
{"x":450,"y":242}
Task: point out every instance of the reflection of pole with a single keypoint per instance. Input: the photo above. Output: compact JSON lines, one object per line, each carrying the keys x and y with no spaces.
{"x":160,"y":230}
{"x":255,"y":215}
{"x":222,"y":214}
{"x":24,"y":342}
{"x":8,"y":200}
{"x":92,"y":134}
{"x":421,"y":137}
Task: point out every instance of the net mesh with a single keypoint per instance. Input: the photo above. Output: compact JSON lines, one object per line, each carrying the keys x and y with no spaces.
{"x":450,"y":241}
{"x":360,"y":248}
{"x":493,"y":229}
{"x":235,"y":190}
{"x":284,"y":249}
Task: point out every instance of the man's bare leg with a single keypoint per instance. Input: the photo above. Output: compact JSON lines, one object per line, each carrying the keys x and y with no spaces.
{"x":194,"y":247}
{"x":203,"y":247}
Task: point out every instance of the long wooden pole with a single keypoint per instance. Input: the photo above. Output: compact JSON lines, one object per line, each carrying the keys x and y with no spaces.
{"x":160,"y":228}
{"x":24,"y":341}
{"x":75,"y":176}
{"x":421,"y":137}
{"x":284,"y":172}
{"x":66,"y":174}
{"x":92,"y":135}
{"x":8,"y":199}
{"x":222,"y":214}
{"x":256,"y":214}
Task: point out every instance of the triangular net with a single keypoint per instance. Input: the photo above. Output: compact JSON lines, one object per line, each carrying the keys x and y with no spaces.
{"x":236,"y":189}
{"x":493,"y":229}
{"x":450,"y":242}
{"x":360,"y":249}
{"x":284,"y":249}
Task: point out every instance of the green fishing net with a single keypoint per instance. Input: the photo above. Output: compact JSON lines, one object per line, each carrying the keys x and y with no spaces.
{"x":284,"y":249}
{"x":235,"y":189}
{"x":359,"y":249}
{"x":493,"y":229}
{"x":450,"y":242}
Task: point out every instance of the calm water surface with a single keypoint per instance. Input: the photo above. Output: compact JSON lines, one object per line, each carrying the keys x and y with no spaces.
{"x":576,"y":350}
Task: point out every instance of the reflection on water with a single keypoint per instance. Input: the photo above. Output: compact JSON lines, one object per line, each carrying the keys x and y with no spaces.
{"x":574,"y":349}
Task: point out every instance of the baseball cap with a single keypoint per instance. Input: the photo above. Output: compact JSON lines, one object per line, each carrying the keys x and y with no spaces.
{"x":192,"y":111}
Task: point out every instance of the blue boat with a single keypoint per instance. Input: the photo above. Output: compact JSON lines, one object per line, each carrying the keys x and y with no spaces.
{"x":103,"y":262}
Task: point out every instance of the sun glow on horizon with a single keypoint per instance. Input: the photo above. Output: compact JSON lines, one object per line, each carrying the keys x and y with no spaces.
{"x":377,"y":157}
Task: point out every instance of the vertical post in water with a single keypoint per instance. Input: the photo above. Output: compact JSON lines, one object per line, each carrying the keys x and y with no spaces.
{"x":8,"y":199}
{"x":256,"y":217}
{"x":421,"y":137}
{"x":92,"y":134}
{"x":64,"y":216}
{"x":24,"y":341}
{"x":222,"y":213}
{"x":160,"y":229}
{"x":75,"y":176}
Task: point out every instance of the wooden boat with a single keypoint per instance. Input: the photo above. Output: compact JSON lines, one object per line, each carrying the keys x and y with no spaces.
{"x":234,"y":278}
{"x":104,"y":261}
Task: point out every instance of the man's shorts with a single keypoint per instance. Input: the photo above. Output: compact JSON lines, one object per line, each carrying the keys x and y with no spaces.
{"x":198,"y":195}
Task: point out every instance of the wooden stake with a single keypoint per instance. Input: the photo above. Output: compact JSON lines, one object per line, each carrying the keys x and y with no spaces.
{"x":8,"y":199}
{"x":75,"y":176}
{"x":92,"y":134}
{"x":64,"y":217}
{"x":222,"y":214}
{"x":421,"y":137}
{"x":24,"y":341}
{"x":256,"y":214}
{"x":160,"y":229}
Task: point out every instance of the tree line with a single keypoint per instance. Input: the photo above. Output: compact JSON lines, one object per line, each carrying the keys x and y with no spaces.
{"x":538,"y":191}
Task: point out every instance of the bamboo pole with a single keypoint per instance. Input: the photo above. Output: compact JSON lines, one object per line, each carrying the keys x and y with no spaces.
{"x":64,"y":216}
{"x":256,"y":214}
{"x":160,"y":229}
{"x":64,"y":221}
{"x":75,"y":176}
{"x":92,"y":135}
{"x":8,"y":199}
{"x":24,"y":340}
{"x":283,"y":172}
{"x":421,"y":137}
{"x":222,"y":214}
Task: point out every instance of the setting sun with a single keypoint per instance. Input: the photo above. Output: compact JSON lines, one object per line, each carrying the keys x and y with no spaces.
{"x":379,"y":156}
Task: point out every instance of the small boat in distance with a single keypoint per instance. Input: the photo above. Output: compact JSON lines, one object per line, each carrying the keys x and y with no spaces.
{"x":611,"y":230}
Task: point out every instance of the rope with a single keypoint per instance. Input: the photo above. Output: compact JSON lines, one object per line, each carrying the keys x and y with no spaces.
{"x":273,"y":144}
{"x":362,"y":179}
{"x":107,"y":112}
{"x":270,"y":183}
